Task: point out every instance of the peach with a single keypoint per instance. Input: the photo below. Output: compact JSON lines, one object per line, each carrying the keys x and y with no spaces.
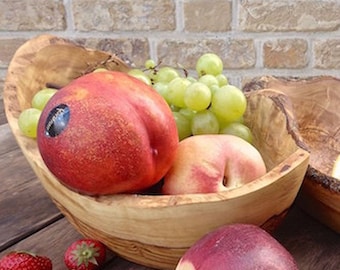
{"x":213,"y":163}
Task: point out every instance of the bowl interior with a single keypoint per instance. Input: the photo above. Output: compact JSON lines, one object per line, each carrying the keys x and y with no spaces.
{"x":315,"y":103}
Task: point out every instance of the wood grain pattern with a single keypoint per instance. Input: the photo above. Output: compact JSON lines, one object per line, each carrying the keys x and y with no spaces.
{"x":315,"y":105}
{"x":22,"y":198}
{"x":3,"y":119}
{"x":309,"y":241}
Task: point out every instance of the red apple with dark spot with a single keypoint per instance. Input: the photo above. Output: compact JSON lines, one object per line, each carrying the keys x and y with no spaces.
{"x":107,"y":133}
{"x":237,"y":246}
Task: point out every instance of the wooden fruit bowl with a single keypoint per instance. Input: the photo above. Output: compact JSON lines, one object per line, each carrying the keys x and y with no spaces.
{"x":315,"y":102}
{"x":155,"y":230}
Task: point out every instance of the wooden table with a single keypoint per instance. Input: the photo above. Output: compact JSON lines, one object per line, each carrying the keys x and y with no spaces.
{"x":30,"y":221}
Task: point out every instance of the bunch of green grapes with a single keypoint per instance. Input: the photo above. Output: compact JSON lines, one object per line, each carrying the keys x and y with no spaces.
{"x":29,"y":118}
{"x":205,"y":104}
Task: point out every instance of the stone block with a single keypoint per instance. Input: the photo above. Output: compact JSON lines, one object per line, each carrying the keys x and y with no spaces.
{"x":111,"y":15}
{"x":211,"y":16}
{"x":134,"y":51}
{"x":285,"y":53}
{"x":327,"y":54}
{"x":235,"y":53}
{"x":32,"y":15}
{"x":288,"y":15}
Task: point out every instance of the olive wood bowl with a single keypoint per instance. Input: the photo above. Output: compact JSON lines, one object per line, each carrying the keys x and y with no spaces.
{"x":315,"y":103}
{"x":156,"y":230}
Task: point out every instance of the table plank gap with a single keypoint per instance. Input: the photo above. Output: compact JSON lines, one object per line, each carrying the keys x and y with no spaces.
{"x":33,"y":229}
{"x":14,"y":172}
{"x":118,"y":263}
{"x":25,"y":206}
{"x":8,"y":142}
{"x":3,"y":118}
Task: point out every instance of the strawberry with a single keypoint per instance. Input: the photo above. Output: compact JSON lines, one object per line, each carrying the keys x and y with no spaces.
{"x":85,"y":254}
{"x":19,"y":260}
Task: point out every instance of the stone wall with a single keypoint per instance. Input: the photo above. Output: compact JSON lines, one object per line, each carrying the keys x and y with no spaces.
{"x":254,"y":37}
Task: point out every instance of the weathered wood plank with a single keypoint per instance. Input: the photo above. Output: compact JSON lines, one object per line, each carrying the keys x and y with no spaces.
{"x":24,"y":205}
{"x":13,"y":173}
{"x":313,"y":245}
{"x":7,"y":140}
{"x":24,"y":211}
{"x":3,"y":118}
{"x":118,"y":264}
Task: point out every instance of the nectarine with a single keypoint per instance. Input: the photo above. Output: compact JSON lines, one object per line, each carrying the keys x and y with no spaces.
{"x":107,"y":132}
{"x":237,"y":246}
{"x":211,"y":163}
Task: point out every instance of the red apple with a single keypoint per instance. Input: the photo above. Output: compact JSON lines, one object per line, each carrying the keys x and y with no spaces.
{"x":237,"y":246}
{"x":213,"y":163}
{"x":107,"y":133}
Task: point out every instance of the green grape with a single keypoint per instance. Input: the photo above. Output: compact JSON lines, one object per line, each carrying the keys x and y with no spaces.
{"x":239,"y":130}
{"x":140,"y":75}
{"x":28,"y":122}
{"x":192,"y":79}
{"x":204,"y":122}
{"x":214,"y":88}
{"x":188,"y":113}
{"x":149,"y":64}
{"x":197,"y":96}
{"x":240,"y":120}
{"x":41,"y":98}
{"x":176,"y":91}
{"x":161,"y":88}
{"x":222,"y":79}
{"x":209,"y":63}
{"x":183,"y":125}
{"x":174,"y":108}
{"x":166,"y":74}
{"x":100,"y":70}
{"x":209,"y":80}
{"x":229,"y":103}
{"x":224,"y":123}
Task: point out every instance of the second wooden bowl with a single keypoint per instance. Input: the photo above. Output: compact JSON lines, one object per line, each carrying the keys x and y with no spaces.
{"x":315,"y":102}
{"x":156,"y":230}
